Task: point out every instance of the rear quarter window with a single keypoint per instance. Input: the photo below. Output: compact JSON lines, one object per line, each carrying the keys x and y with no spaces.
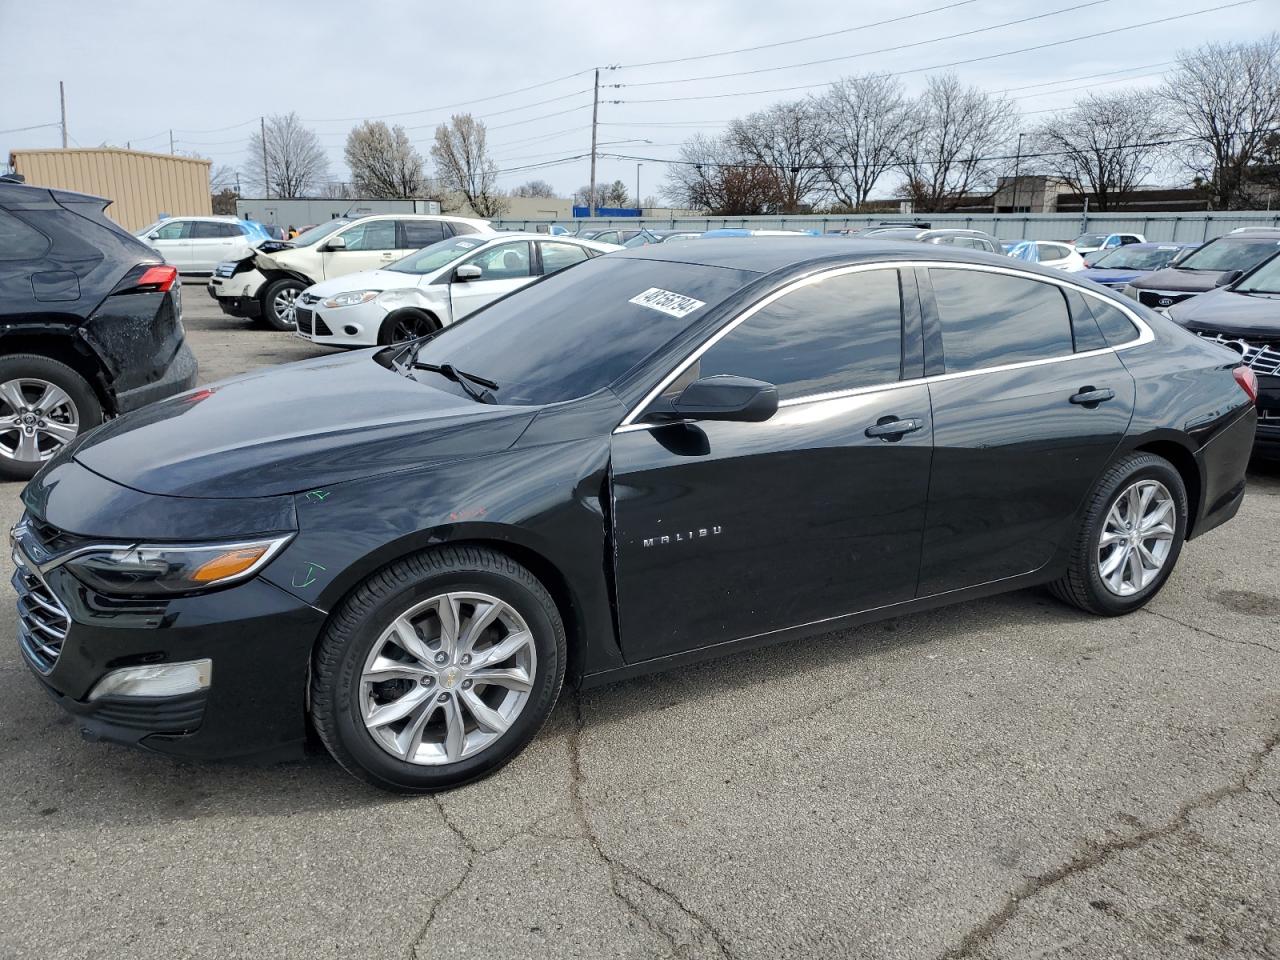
{"x":19,"y":240}
{"x":1113,"y":323}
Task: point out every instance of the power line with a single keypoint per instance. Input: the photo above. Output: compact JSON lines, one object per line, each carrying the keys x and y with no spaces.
{"x":867,"y":53}
{"x":783,"y":43}
{"x":38,"y":126}
{"x":1112,"y":73}
{"x":957,"y":63}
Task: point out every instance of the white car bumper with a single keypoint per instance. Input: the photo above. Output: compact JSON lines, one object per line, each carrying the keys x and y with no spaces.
{"x":354,"y":326}
{"x":237,"y":294}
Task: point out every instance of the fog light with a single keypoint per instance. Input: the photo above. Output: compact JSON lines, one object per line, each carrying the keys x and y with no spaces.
{"x":350,"y":329}
{"x":155,"y":680}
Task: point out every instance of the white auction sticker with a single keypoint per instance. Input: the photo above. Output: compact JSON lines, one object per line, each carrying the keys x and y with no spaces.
{"x":664,"y":301}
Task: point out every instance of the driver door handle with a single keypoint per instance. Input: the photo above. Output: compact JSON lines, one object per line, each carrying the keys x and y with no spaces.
{"x":1089,"y":396}
{"x":891,"y":428}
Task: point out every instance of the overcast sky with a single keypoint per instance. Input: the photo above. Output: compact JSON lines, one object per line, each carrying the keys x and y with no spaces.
{"x":133,"y":70}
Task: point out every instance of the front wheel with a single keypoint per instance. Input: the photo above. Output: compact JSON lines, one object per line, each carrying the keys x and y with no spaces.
{"x":1130,"y":538}
{"x":44,"y":405}
{"x":406,"y":324}
{"x":279,"y":304}
{"x":438,"y":670}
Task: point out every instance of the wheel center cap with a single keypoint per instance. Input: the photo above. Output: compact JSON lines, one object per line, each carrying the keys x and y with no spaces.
{"x":451,"y":678}
{"x":29,"y":418}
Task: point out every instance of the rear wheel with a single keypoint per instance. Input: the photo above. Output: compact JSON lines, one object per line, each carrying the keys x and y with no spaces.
{"x":438,"y":670}
{"x":44,"y":405}
{"x":1132,"y":533}
{"x":279,"y":303}
{"x":405,"y":325}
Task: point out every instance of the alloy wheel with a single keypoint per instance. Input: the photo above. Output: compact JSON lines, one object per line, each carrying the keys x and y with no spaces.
{"x":447,"y":678}
{"x":410,"y":327}
{"x":1136,"y":538}
{"x":285,"y":305}
{"x":37,"y":419}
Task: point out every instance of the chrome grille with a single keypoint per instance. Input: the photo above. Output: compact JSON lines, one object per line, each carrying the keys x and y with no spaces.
{"x":1260,"y":356}
{"x":1162,"y":299}
{"x":42,"y":619}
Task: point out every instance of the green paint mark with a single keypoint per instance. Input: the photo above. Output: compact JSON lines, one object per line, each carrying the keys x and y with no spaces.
{"x":306,"y":578}
{"x":318,"y":496}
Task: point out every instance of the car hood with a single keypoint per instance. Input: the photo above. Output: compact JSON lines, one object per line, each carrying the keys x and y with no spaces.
{"x":365,"y":280}
{"x":1236,"y":314}
{"x":1099,"y":275}
{"x":294,"y":428}
{"x":1184,"y":281}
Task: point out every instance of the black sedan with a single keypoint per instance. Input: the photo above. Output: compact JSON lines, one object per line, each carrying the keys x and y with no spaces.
{"x":1245,"y":316}
{"x":661,"y":455}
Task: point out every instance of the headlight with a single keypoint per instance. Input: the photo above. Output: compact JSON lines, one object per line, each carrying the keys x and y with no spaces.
{"x":162,"y":569}
{"x":352,"y":298}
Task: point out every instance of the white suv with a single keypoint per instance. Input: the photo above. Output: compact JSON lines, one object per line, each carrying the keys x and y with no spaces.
{"x":266,"y":282}
{"x":199,"y":244}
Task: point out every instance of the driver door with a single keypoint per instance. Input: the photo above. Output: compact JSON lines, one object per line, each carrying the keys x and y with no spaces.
{"x":503,"y":268}
{"x":730,"y":530}
{"x":368,"y":245}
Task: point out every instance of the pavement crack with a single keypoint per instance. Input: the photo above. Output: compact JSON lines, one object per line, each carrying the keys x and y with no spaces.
{"x":619,"y":872}
{"x":1095,"y":854}
{"x":1210,"y":633}
{"x":472,"y":855}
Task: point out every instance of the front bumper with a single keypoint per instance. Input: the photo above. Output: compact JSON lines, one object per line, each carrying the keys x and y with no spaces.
{"x":354,"y":326}
{"x":239,"y":294}
{"x":258,"y":636}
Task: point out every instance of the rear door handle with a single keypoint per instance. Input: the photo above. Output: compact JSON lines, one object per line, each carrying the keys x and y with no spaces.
{"x":1088,"y":396}
{"x":891,"y":428}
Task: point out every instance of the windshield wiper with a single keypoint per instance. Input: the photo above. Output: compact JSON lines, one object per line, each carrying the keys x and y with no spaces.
{"x":462,"y":379}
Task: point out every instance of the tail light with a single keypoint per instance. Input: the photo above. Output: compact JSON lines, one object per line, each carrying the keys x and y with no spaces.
{"x":148,"y":278}
{"x":1248,"y":381}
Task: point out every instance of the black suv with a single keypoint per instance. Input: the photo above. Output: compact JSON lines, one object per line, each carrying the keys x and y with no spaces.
{"x":90,"y":323}
{"x":1218,"y":263}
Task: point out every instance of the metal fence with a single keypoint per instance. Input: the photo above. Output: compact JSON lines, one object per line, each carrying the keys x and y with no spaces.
{"x":1187,"y":227}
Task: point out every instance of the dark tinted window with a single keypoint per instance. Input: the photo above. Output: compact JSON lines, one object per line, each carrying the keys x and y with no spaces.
{"x":204,"y":230}
{"x":19,"y":241}
{"x":579,"y":330}
{"x":842,"y":333}
{"x":421,"y":233}
{"x":989,"y":319}
{"x":1084,"y":329}
{"x":232,"y":230}
{"x":460,"y":229}
{"x":1115,"y":326}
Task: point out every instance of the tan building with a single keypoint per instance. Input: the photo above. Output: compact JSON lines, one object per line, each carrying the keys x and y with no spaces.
{"x":142,"y":186}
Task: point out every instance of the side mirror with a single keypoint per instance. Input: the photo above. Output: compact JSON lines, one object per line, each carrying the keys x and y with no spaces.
{"x":724,"y":397}
{"x":1228,"y":278}
{"x":337,"y":243}
{"x":468,"y":271}
{"x":153,"y":236}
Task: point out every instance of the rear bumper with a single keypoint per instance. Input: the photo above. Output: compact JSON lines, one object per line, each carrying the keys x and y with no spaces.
{"x":1223,"y":462}
{"x":180,"y":375}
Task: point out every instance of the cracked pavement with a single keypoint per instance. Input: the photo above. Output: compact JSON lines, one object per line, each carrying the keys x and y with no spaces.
{"x":1001,"y":779}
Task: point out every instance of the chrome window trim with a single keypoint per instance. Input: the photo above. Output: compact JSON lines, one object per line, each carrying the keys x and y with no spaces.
{"x":1145,"y":334}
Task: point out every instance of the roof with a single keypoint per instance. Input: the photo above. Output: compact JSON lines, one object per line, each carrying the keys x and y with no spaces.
{"x":70,"y":151}
{"x":767,"y":254}
{"x":23,"y":193}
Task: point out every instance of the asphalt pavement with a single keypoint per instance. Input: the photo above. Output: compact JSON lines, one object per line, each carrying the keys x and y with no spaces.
{"x":1008,"y":778}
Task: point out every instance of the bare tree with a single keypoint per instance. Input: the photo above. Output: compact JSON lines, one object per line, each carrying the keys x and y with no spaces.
{"x":1103,"y":145}
{"x":534,"y":188}
{"x":222,"y":177}
{"x":713,"y":177}
{"x":463,"y":164}
{"x":869,"y":120}
{"x":607,"y":195}
{"x":785,"y":139}
{"x":1227,"y":96}
{"x":959,"y":129}
{"x":293,"y":163}
{"x":383,"y":162}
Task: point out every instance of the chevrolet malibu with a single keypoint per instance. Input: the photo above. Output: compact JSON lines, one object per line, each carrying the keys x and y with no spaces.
{"x":661,"y":455}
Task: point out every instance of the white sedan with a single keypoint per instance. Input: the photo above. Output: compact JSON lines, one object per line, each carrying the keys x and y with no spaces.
{"x":433,"y":287}
{"x":1049,"y":253}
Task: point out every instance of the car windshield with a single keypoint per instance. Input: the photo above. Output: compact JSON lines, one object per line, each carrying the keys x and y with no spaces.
{"x":1266,"y":279}
{"x":1090,"y":240}
{"x":579,"y":330}
{"x":432,"y":258}
{"x":318,"y":232}
{"x":1137,"y":258}
{"x":1231,"y":253}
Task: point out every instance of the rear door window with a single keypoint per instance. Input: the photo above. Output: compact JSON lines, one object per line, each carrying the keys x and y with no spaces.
{"x":1113,"y":323}
{"x":204,"y":230}
{"x":839,"y":334}
{"x":992,"y":319}
{"x":421,"y":233}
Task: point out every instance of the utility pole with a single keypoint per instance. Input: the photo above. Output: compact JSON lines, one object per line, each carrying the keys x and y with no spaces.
{"x":170,"y":141}
{"x":595,"y":113}
{"x":266,"y":178}
{"x":639,"y":203}
{"x":1017,"y":165}
{"x":62,"y":99}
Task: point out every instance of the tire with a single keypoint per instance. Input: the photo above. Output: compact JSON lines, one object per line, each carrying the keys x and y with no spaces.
{"x":275,"y":313}
{"x":363,"y":635}
{"x":1084,"y":584}
{"x":36,"y":423}
{"x":407,"y":324}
